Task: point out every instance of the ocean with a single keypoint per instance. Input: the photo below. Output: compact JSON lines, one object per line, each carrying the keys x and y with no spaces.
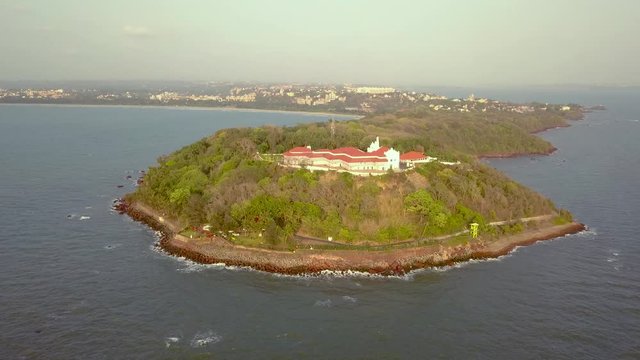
{"x":78,"y":281}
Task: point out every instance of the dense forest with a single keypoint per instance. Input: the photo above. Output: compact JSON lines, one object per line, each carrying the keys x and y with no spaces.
{"x":232,"y":180}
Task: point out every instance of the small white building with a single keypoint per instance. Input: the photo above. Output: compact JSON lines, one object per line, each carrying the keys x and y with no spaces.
{"x":411,"y":158}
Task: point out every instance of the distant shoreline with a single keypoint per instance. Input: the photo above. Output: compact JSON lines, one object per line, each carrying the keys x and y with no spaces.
{"x":306,"y":261}
{"x":185,"y":107}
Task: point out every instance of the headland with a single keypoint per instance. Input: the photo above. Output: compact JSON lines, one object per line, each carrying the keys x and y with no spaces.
{"x":309,"y":198}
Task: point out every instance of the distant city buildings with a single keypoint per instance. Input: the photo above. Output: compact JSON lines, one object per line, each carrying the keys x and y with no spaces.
{"x":53,"y":94}
{"x":330,"y":98}
{"x":372,"y":90}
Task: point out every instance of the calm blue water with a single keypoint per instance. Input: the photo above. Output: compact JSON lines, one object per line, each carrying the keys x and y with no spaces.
{"x":96,"y":289}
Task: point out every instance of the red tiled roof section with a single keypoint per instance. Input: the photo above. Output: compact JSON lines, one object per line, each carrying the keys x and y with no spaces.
{"x":412,"y":155}
{"x":348,"y":151}
{"x":346,"y":154}
{"x":379,"y":152}
{"x":298,"y":151}
{"x":345,"y":158}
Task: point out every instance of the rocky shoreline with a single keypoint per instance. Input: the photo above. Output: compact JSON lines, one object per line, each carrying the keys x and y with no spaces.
{"x":303,"y":261}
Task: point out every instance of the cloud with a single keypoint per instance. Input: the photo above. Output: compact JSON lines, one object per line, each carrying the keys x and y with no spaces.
{"x":137,"y":31}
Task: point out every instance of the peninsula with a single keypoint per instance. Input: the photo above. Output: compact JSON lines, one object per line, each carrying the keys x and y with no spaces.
{"x":387,"y":193}
{"x":337,"y":99}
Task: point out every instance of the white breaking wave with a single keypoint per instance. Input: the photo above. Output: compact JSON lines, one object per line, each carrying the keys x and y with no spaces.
{"x":615,"y":259}
{"x":331,"y":274}
{"x":171,"y":340}
{"x":349,"y":299}
{"x":462,"y":264}
{"x":205,"y":338}
{"x":323,"y":303}
{"x":584,"y":233}
{"x":189,"y":265}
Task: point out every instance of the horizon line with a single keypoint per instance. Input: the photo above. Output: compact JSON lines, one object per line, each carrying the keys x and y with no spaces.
{"x":373,"y":84}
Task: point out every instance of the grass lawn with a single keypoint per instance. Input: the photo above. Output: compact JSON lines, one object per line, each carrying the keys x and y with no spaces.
{"x":190,"y":233}
{"x":248,"y":241}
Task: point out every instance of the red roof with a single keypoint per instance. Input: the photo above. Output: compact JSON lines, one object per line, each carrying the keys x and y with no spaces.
{"x":351,"y":151}
{"x":379,"y":152}
{"x":346,"y":154}
{"x":297,"y":151}
{"x":412,"y":155}
{"x":300,"y":149}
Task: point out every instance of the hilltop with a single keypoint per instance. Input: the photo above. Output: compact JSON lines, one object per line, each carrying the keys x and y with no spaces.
{"x":232,"y":186}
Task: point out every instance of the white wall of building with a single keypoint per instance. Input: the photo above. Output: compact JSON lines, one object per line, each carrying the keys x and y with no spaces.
{"x":393,"y":156}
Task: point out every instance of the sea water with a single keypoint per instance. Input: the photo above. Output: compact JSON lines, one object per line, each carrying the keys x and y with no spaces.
{"x":78,"y":281}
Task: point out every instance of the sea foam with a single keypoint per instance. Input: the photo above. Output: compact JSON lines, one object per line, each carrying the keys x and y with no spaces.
{"x":171,"y":340}
{"x":205,"y":338}
{"x":323,"y":303}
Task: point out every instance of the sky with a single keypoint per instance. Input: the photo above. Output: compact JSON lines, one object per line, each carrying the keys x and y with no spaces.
{"x":399,"y":42}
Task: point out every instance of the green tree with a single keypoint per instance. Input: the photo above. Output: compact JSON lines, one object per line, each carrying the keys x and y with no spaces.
{"x":179,"y":196}
{"x":430,"y":211}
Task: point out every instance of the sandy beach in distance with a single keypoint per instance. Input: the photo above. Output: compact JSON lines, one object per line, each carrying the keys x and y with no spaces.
{"x":178,"y":107}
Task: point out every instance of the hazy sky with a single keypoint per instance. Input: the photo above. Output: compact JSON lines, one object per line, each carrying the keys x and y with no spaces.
{"x":457,"y":43}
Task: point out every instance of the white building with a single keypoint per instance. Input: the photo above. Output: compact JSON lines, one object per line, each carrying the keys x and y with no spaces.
{"x":376,"y":161}
{"x":373,"y":90}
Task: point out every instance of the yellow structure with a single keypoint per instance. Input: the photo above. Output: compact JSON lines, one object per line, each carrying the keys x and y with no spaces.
{"x":473,"y":229}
